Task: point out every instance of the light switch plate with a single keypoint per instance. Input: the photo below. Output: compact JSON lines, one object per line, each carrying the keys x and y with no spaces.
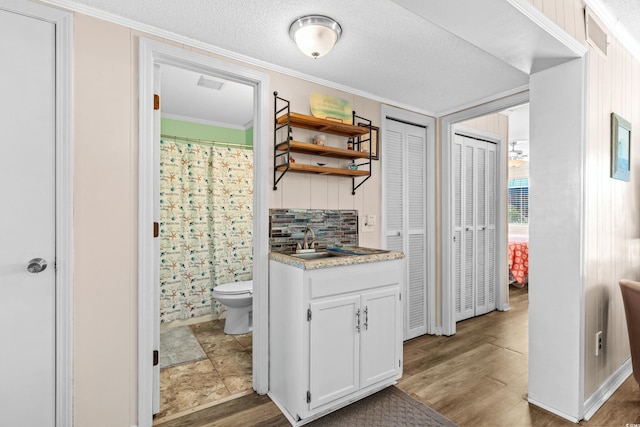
{"x":368,"y":223}
{"x":371,"y":220}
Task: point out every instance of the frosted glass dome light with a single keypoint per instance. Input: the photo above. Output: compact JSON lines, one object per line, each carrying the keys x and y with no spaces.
{"x":315,"y":35}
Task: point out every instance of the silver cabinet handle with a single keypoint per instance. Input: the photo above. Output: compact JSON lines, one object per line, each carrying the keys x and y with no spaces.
{"x":366,"y":318}
{"x":37,"y":265}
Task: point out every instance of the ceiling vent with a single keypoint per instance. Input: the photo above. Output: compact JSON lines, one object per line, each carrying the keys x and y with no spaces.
{"x":596,"y":35}
{"x":210,"y":83}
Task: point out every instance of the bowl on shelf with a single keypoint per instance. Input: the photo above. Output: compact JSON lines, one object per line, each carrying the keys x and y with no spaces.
{"x":320,"y":164}
{"x":319,"y":139}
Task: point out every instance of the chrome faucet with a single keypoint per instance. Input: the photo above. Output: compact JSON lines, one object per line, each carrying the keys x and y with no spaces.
{"x":306,"y":244}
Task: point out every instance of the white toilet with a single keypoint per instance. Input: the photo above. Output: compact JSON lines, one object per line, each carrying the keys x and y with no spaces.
{"x":238,"y":297}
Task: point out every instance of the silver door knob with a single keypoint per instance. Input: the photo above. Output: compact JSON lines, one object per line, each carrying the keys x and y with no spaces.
{"x":37,"y":265}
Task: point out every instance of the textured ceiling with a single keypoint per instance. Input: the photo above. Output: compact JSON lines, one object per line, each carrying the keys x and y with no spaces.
{"x":627,"y":13}
{"x":385,"y":50}
{"x":390,"y":50}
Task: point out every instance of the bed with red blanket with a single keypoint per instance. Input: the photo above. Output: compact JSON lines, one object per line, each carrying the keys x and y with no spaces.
{"x":518,"y":261}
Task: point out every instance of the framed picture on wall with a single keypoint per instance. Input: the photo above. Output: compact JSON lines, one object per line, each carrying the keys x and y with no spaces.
{"x":373,"y":144}
{"x":620,"y":148}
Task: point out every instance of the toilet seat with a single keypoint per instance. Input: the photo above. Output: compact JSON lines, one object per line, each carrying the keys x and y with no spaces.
{"x":235,"y":288}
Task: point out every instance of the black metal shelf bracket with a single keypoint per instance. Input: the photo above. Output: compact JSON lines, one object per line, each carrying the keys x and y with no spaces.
{"x":357,"y":145}
{"x":284,"y":154}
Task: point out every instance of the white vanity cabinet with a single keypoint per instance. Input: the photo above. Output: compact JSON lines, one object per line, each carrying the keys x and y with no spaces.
{"x":335,"y":334}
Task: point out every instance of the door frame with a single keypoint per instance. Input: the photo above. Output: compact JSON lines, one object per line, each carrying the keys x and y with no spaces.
{"x":151,"y":53}
{"x":501,"y":207}
{"x":447,"y":130}
{"x":63,"y":264}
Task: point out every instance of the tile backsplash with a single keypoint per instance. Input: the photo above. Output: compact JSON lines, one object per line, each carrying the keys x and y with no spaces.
{"x":331,"y":227}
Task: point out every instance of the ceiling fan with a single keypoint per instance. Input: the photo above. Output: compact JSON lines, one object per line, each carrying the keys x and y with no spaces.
{"x":516,"y":154}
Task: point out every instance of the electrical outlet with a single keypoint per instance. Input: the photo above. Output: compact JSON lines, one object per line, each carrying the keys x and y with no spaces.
{"x":598,"y":343}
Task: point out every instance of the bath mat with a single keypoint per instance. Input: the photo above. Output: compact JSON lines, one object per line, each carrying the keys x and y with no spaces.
{"x":178,"y":346}
{"x":390,"y":407}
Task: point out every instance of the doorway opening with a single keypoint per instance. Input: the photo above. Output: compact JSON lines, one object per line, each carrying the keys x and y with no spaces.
{"x":518,"y":196}
{"x":206,"y":238}
{"x":154,"y":56}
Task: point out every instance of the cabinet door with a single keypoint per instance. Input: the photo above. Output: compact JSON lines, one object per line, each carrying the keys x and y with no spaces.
{"x":334,"y":349}
{"x":381,"y":335}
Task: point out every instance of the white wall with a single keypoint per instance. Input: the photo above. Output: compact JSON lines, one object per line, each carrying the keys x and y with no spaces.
{"x":556,"y":220}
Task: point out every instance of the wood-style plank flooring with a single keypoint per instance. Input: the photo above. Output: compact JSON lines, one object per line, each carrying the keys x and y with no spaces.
{"x":477,"y":377}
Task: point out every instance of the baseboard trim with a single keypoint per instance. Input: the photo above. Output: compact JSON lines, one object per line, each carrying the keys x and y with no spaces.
{"x":606,"y":390}
{"x":553,"y":410}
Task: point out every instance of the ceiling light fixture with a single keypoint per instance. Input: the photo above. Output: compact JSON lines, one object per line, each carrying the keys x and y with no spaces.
{"x":315,"y":35}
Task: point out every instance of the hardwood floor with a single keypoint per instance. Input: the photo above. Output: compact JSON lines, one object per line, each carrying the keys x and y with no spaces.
{"x":477,"y":377}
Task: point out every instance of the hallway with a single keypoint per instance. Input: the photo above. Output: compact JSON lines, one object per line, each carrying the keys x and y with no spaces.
{"x":478,"y":377}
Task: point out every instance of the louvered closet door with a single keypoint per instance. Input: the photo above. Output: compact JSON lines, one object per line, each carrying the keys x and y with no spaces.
{"x":485,"y":228}
{"x":405,"y":210}
{"x":394,"y":186}
{"x":474,"y":226}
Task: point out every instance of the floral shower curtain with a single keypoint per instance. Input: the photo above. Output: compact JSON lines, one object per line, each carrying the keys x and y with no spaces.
{"x":206,"y":224}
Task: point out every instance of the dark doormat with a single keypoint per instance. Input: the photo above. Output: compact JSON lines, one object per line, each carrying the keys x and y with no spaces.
{"x":390,"y":407}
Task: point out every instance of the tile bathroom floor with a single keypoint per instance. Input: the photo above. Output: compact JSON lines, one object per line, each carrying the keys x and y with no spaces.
{"x":225,"y":374}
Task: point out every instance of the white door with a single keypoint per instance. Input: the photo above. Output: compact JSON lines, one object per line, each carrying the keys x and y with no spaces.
{"x":27,"y":221}
{"x":474,"y":225}
{"x":379,"y":327}
{"x":405,"y":183}
{"x":334,"y":349}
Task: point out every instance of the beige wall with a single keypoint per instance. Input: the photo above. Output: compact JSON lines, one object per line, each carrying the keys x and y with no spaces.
{"x":612,"y":207}
{"x":105,"y":203}
{"x":613,"y":226}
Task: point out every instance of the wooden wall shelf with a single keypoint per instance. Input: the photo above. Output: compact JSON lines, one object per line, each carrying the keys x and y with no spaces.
{"x":322,"y":125}
{"x":322,"y":150}
{"x":322,"y":170}
{"x":285,"y":120}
